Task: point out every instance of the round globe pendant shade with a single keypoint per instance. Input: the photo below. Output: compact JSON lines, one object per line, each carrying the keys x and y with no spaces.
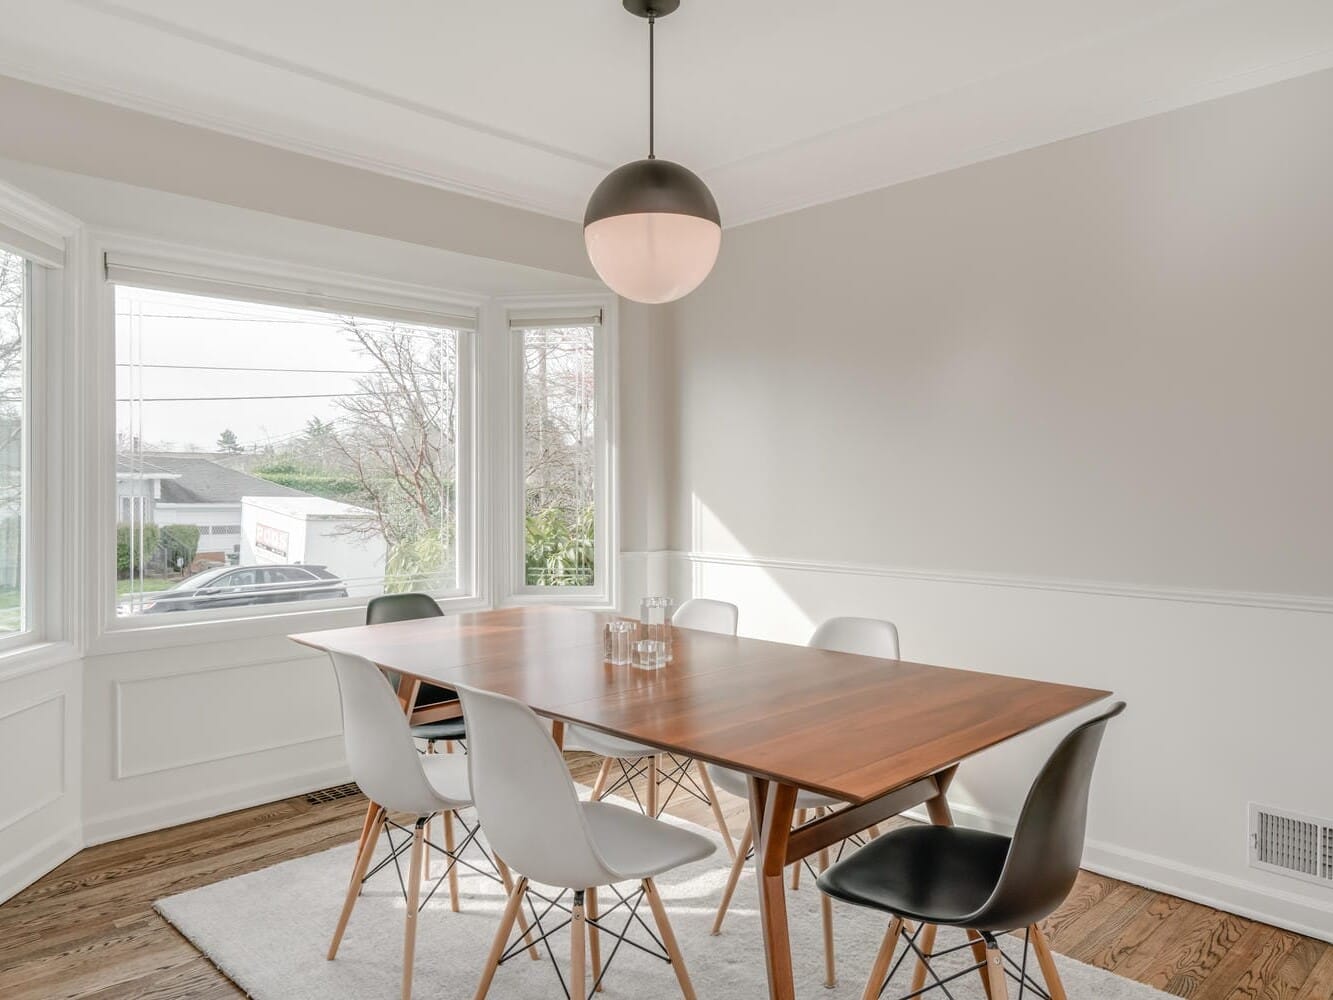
{"x":652,"y":230}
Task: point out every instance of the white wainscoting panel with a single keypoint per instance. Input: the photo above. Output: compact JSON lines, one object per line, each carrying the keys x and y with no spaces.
{"x":182,"y":733}
{"x":32,"y":743}
{"x":195,"y":717}
{"x":1228,"y":703}
{"x":40,"y":800}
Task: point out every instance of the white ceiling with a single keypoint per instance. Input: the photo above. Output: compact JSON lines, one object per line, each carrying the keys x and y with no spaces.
{"x":777,"y":104}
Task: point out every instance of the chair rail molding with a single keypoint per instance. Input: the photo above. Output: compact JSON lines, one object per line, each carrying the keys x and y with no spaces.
{"x":1313,"y":603}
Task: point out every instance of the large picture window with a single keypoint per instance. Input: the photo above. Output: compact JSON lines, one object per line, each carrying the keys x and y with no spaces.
{"x":268,"y":454}
{"x":15,"y":297}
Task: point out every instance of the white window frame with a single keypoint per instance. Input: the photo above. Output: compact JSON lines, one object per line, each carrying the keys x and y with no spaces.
{"x":256,"y":279}
{"x":510,"y":535}
{"x":47,"y":239}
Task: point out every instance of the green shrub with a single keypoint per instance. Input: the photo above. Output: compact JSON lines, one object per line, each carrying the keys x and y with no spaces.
{"x":559,"y":548}
{"x":423,"y":563}
{"x":128,"y":547}
{"x":179,"y":541}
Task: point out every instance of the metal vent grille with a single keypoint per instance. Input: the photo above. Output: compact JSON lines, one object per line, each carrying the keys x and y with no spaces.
{"x":333,"y":794}
{"x":1291,"y":844}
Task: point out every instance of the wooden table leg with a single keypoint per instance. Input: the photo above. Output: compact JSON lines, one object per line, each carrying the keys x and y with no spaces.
{"x":942,"y":815}
{"x":772,"y":808}
{"x":558,"y":734}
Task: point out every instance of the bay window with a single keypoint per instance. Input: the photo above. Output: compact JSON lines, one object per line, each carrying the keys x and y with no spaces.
{"x":286,"y":444}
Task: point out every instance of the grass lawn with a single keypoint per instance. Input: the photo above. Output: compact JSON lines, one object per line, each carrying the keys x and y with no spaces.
{"x":124,"y":588}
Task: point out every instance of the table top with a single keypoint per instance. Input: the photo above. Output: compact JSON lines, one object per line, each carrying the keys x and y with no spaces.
{"x":853,"y":727}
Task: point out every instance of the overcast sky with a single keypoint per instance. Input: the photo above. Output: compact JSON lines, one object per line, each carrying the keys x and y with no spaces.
{"x":206,"y":350}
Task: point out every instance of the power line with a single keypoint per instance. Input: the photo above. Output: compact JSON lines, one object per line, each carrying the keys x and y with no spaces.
{"x":233,"y":399}
{"x":243,"y":368}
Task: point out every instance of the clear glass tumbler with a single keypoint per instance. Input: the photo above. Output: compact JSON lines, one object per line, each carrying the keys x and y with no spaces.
{"x":655,"y":621}
{"x":650,"y":654}
{"x":620,"y":642}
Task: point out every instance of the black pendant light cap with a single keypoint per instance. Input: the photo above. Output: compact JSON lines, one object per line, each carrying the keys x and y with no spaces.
{"x":651,"y":8}
{"x":652,"y":185}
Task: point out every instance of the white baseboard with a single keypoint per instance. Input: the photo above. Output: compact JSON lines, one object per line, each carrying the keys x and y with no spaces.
{"x":16,"y":874}
{"x":208,"y":803}
{"x":1208,"y":888}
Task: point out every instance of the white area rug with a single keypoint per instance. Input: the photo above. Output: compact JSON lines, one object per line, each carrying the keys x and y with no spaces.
{"x":268,"y":932}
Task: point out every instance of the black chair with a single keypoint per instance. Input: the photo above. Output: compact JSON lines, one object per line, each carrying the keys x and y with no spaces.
{"x":982,"y":882}
{"x":431,"y":701}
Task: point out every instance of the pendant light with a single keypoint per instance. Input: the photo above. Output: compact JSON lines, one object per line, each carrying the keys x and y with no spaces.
{"x":652,"y":227}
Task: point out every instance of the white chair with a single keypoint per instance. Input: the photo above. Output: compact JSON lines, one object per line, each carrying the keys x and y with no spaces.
{"x":862,"y":636}
{"x":532,"y":815}
{"x":703,"y":615}
{"x":385,"y":764}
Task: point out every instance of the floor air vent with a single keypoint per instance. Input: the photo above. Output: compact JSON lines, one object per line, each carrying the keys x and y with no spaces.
{"x":1291,"y":844}
{"x":333,"y":794}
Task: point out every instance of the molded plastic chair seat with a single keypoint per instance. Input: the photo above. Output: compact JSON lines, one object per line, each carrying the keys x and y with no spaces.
{"x":738,"y":784}
{"x":604,"y":744}
{"x":936,"y":874}
{"x":637,"y":847}
{"x":447,"y":775}
{"x":446,"y":729}
{"x":534,"y":819}
{"x":982,"y":882}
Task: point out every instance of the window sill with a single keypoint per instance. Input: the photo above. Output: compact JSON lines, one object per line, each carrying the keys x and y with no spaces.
{"x":23,"y":660}
{"x":148,"y":632}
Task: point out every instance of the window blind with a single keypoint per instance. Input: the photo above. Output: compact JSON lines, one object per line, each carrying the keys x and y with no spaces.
{"x":536,"y":319}
{"x":176,"y":276}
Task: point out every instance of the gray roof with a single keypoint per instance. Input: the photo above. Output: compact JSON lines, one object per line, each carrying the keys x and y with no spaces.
{"x":203,"y":480}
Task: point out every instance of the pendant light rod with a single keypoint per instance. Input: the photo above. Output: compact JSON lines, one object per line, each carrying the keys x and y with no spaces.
{"x":652,"y":93}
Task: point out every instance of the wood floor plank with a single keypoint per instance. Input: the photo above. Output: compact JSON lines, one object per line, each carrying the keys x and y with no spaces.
{"x":87,"y":931}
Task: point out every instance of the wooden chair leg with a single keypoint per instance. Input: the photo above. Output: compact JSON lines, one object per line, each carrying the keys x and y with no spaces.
{"x":508,"y":879}
{"x":430,"y":824}
{"x":737,"y":867}
{"x":594,"y":938}
{"x":450,"y":845}
{"x":880,"y":970}
{"x":1047,"y":961}
{"x":603,"y":776}
{"x":980,"y":956}
{"x":801,"y":815}
{"x":826,"y":917}
{"x":413,"y":901}
{"x":669,"y":939}
{"x":578,"y":986}
{"x":363,"y":857}
{"x":995,"y":977}
{"x":370,"y":831}
{"x":718,"y":818}
{"x":513,"y":907}
{"x":652,"y":786}
{"x":927,"y":949}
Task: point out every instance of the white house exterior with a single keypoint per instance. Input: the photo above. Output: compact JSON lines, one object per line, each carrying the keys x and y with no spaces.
{"x":305,"y":529}
{"x":186,"y":488}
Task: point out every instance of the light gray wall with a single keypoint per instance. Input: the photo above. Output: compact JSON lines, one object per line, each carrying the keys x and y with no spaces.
{"x":1120,"y":343}
{"x":73,"y":133}
{"x":1064,"y":414}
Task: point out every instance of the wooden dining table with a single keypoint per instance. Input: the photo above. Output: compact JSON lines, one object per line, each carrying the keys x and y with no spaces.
{"x":881,"y":735}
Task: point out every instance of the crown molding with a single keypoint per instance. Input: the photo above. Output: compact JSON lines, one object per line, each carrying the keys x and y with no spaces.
{"x":80,"y":87}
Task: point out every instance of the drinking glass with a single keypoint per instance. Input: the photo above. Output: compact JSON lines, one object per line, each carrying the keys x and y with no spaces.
{"x":655,"y":621}
{"x":619,"y":642}
{"x":650,"y":654}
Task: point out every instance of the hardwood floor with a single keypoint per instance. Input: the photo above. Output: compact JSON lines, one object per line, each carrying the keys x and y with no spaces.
{"x":88,"y":929}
